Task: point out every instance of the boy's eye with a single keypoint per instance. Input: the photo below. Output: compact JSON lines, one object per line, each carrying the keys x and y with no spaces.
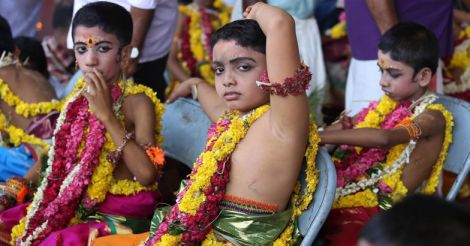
{"x":218,"y":70}
{"x":103,"y":49}
{"x":80,"y":49}
{"x":394,"y":74}
{"x":244,"y":67}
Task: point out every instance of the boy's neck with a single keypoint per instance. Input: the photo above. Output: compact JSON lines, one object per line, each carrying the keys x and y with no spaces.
{"x":418,"y":95}
{"x":416,"y":102}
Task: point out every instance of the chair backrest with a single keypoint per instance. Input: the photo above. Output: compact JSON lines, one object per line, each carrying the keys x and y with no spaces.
{"x":184,"y":130}
{"x":458,"y":160}
{"x":312,"y":219}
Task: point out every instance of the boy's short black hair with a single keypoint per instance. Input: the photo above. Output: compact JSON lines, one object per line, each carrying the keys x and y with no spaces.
{"x":109,"y":17}
{"x":420,"y":220}
{"x":412,"y":44}
{"x":6,"y":39}
{"x":31,"y":50}
{"x":246,"y":33}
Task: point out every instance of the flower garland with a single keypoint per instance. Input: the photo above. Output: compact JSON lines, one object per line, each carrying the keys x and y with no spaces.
{"x":17,"y":136}
{"x":197,"y":27}
{"x":380,"y":183}
{"x":77,"y":163}
{"x":457,"y":71}
{"x":354,"y":161}
{"x":190,"y":220}
{"x":23,"y":108}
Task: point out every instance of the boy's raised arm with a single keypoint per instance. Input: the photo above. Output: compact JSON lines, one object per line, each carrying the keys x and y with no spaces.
{"x":289,"y":114}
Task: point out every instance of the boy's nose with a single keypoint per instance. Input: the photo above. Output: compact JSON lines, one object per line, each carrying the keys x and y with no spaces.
{"x":91,"y":59}
{"x":383,"y":82}
{"x":229,"y":80}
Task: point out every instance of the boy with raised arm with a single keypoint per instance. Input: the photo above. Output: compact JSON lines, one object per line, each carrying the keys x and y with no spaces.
{"x":395,"y":146}
{"x":255,"y":150}
{"x":102,"y":166}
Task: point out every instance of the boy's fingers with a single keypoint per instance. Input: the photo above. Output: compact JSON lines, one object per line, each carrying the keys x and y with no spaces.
{"x":91,"y":88}
{"x":100,"y":77}
{"x":171,"y":98}
{"x":86,"y":95}
{"x":96,"y":81}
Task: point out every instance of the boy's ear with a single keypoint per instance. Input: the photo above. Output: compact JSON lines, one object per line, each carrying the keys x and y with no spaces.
{"x":125,"y":54}
{"x":424,"y":77}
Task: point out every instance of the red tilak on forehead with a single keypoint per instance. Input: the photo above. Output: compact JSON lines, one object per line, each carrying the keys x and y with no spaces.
{"x":90,"y":41}
{"x":384,"y":65}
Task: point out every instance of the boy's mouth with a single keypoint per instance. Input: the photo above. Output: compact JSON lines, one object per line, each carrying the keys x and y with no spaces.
{"x":231,"y":95}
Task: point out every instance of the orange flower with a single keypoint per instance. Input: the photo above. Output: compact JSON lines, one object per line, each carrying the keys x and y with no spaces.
{"x":156,"y":155}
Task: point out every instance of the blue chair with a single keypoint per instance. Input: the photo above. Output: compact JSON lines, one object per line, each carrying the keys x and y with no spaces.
{"x":458,"y":160}
{"x":312,"y":219}
{"x":184,"y":130}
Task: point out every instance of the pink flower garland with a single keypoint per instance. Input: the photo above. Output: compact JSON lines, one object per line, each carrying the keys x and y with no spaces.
{"x":196,"y":227}
{"x":207,"y":29}
{"x":59,"y":208}
{"x":354,"y":165}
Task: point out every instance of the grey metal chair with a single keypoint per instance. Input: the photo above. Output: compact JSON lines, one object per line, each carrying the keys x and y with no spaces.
{"x":312,"y":219}
{"x":184,"y":130}
{"x":458,"y":157}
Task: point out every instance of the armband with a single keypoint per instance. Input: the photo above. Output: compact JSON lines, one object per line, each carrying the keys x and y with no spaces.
{"x":295,"y":85}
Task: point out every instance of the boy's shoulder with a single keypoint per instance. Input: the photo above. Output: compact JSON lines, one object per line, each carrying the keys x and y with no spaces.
{"x":434,"y":116}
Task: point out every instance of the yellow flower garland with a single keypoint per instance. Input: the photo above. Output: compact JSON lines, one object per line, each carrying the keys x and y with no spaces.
{"x":18,"y":136}
{"x":376,"y":116}
{"x":300,"y":200}
{"x":195,"y":36}
{"x":23,"y":108}
{"x":367,"y":198}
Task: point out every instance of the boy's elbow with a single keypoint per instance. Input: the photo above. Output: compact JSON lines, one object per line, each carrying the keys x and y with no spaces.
{"x":148,"y":178}
{"x":283,"y":21}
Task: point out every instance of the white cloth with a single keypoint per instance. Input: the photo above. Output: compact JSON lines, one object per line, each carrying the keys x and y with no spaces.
{"x":161,"y":31}
{"x":308,"y":39}
{"x":363,"y":84}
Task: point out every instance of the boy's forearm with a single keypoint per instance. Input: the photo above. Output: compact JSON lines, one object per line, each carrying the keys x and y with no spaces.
{"x":133,"y":155}
{"x":210,"y":101}
{"x":384,"y":13}
{"x":366,"y":137}
{"x":141,"y":19}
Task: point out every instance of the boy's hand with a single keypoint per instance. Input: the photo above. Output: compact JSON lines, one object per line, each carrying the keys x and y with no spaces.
{"x":98,"y":95}
{"x":250,"y":11}
{"x":183,"y":89}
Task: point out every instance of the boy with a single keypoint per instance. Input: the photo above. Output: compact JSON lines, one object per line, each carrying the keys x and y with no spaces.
{"x":100,"y":178}
{"x":27,"y":114}
{"x":254,"y":153}
{"x":419,"y":220}
{"x":399,"y":144}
